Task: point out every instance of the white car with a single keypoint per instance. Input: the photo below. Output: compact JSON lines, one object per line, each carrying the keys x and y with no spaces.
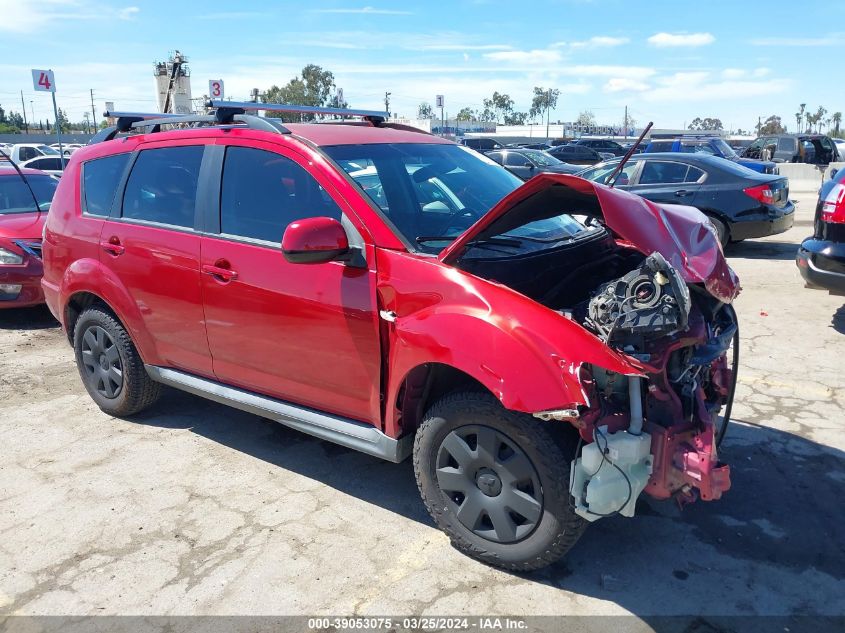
{"x":22,"y":152}
{"x":840,"y":147}
{"x":52,"y":165}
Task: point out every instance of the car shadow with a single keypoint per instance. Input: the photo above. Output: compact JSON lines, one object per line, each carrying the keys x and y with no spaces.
{"x":838,"y":320}
{"x":783,"y":508}
{"x":748,"y":249}
{"x":36,"y":318}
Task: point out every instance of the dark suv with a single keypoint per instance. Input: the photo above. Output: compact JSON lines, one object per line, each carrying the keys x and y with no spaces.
{"x":601,"y":145}
{"x":794,"y":148}
{"x":385,"y":289}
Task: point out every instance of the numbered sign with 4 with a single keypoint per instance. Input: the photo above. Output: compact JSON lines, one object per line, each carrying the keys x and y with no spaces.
{"x":43,"y":80}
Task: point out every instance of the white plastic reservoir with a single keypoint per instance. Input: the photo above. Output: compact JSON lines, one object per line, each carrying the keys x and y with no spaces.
{"x":598,"y":487}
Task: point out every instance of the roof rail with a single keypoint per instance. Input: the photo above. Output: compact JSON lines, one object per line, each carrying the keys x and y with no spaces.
{"x":127,"y":121}
{"x":373,"y":116}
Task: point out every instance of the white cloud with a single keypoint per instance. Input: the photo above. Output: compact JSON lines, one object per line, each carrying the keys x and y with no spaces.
{"x":365,"y":11}
{"x":234,"y":15}
{"x":663,"y":40}
{"x":625,"y":84}
{"x":29,"y":17}
{"x":536,"y":56}
{"x":460,"y":47}
{"x":836,"y":39}
{"x":703,"y":86}
{"x":128,"y":13}
{"x":601,"y":41}
{"x":733,"y":73}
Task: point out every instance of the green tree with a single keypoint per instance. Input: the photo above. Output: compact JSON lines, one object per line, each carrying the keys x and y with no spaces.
{"x":586,"y":119}
{"x":705,"y":124}
{"x":819,"y":117}
{"x":466,"y":114}
{"x":425,"y":111}
{"x":516,"y":118}
{"x":498,"y":107}
{"x":772,"y":125}
{"x":6,"y":128}
{"x":2,"y":115}
{"x":15,"y":120}
{"x":313,"y":87}
{"x":837,"y":119}
{"x":544,"y":100}
{"x":62,"y":123}
{"x":800,"y":115}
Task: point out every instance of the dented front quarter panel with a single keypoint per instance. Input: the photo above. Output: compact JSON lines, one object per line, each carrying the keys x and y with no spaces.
{"x":681,"y":234}
{"x":526,"y":354}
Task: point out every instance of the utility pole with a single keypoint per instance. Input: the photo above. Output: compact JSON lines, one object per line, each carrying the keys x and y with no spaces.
{"x":625,"y":124}
{"x":93,"y":112}
{"x":23,"y":109}
{"x":32,"y":112}
{"x":387,"y":103}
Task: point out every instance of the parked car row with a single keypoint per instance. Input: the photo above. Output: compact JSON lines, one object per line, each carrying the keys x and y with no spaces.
{"x":795,"y":148}
{"x":739,"y":202}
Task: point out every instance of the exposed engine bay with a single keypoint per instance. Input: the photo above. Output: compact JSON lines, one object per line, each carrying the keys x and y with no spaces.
{"x":656,"y":432}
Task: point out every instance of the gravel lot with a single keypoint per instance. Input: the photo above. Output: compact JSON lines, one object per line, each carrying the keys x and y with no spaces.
{"x":195,"y":508}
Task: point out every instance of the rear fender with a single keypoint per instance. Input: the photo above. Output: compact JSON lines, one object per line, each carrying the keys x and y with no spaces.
{"x":89,"y":275}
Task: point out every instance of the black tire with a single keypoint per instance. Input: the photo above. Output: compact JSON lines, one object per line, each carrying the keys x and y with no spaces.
{"x":109,"y":365}
{"x":721,"y":230}
{"x":538,"y":540}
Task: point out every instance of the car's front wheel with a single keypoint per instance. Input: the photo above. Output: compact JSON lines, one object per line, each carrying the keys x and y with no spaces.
{"x":497,"y":482}
{"x":110,"y":366}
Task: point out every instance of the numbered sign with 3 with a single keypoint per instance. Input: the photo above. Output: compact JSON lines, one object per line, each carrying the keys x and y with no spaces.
{"x":43,"y":80}
{"x":215,"y":88}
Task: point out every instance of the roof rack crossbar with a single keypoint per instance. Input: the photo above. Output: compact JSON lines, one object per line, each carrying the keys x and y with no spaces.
{"x":127,"y":121}
{"x":301,"y":109}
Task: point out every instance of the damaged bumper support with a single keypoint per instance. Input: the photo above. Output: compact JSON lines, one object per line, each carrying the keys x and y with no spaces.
{"x":612,"y":471}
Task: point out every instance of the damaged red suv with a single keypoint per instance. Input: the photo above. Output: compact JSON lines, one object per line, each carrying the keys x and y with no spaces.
{"x":547,"y":351}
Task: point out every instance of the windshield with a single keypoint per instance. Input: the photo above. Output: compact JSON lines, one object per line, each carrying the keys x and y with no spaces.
{"x":426,"y":190}
{"x":541,"y":158}
{"x":727,"y":150}
{"x":47,"y":150}
{"x":16,"y":198}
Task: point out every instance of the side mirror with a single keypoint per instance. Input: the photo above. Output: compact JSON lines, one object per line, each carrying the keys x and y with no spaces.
{"x":529,"y":165}
{"x":314,"y":241}
{"x":833,"y":172}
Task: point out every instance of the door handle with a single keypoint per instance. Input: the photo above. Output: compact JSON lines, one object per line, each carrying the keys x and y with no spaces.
{"x":681,"y":193}
{"x":220,"y":272}
{"x":113,"y":246}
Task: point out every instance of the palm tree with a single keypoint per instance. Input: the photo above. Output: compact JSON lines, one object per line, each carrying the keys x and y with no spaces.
{"x":798,"y":121}
{"x":837,"y":119}
{"x":802,"y":106}
{"x":820,"y":115}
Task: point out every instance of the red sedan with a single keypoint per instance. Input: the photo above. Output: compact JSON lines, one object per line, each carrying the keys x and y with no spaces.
{"x":24,"y":200}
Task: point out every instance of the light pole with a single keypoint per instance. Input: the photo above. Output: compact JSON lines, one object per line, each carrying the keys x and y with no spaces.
{"x":32,"y":111}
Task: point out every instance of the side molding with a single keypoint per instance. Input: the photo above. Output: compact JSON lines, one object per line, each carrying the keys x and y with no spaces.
{"x":350,"y":433}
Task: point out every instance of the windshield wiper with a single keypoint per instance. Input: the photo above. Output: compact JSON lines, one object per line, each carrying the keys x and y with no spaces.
{"x":488,"y":241}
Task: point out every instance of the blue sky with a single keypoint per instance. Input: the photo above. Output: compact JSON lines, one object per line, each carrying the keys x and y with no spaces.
{"x":669,"y":61}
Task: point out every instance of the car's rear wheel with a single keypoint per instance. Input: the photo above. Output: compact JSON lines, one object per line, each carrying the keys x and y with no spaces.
{"x":497,"y":482}
{"x":721,"y":230}
{"x":110,"y":366}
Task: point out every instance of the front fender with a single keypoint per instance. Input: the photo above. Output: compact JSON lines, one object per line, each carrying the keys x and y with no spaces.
{"x":90,"y":276}
{"x":527,"y":355}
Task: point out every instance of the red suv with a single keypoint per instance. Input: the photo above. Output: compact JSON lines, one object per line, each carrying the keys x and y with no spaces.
{"x":547,"y":351}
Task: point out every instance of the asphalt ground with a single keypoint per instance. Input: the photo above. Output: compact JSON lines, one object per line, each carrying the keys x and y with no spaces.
{"x":194,"y":508}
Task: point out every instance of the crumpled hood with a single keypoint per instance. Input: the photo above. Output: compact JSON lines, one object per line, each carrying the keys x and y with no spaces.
{"x":682,"y":234}
{"x":22,"y":225}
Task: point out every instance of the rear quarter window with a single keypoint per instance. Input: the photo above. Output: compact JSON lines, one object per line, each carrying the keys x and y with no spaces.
{"x":100,"y":179}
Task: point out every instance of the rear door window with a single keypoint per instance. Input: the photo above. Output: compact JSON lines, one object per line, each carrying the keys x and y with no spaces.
{"x":659,"y":172}
{"x":162,"y":186}
{"x":263,"y":192}
{"x":786,"y":145}
{"x":100,"y":179}
{"x":512,"y":159}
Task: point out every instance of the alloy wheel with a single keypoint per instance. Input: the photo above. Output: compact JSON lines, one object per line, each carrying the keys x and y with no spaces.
{"x":491,"y":482}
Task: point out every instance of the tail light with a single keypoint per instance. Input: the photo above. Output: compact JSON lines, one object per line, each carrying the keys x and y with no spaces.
{"x":833,"y":207}
{"x":761,"y":193}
